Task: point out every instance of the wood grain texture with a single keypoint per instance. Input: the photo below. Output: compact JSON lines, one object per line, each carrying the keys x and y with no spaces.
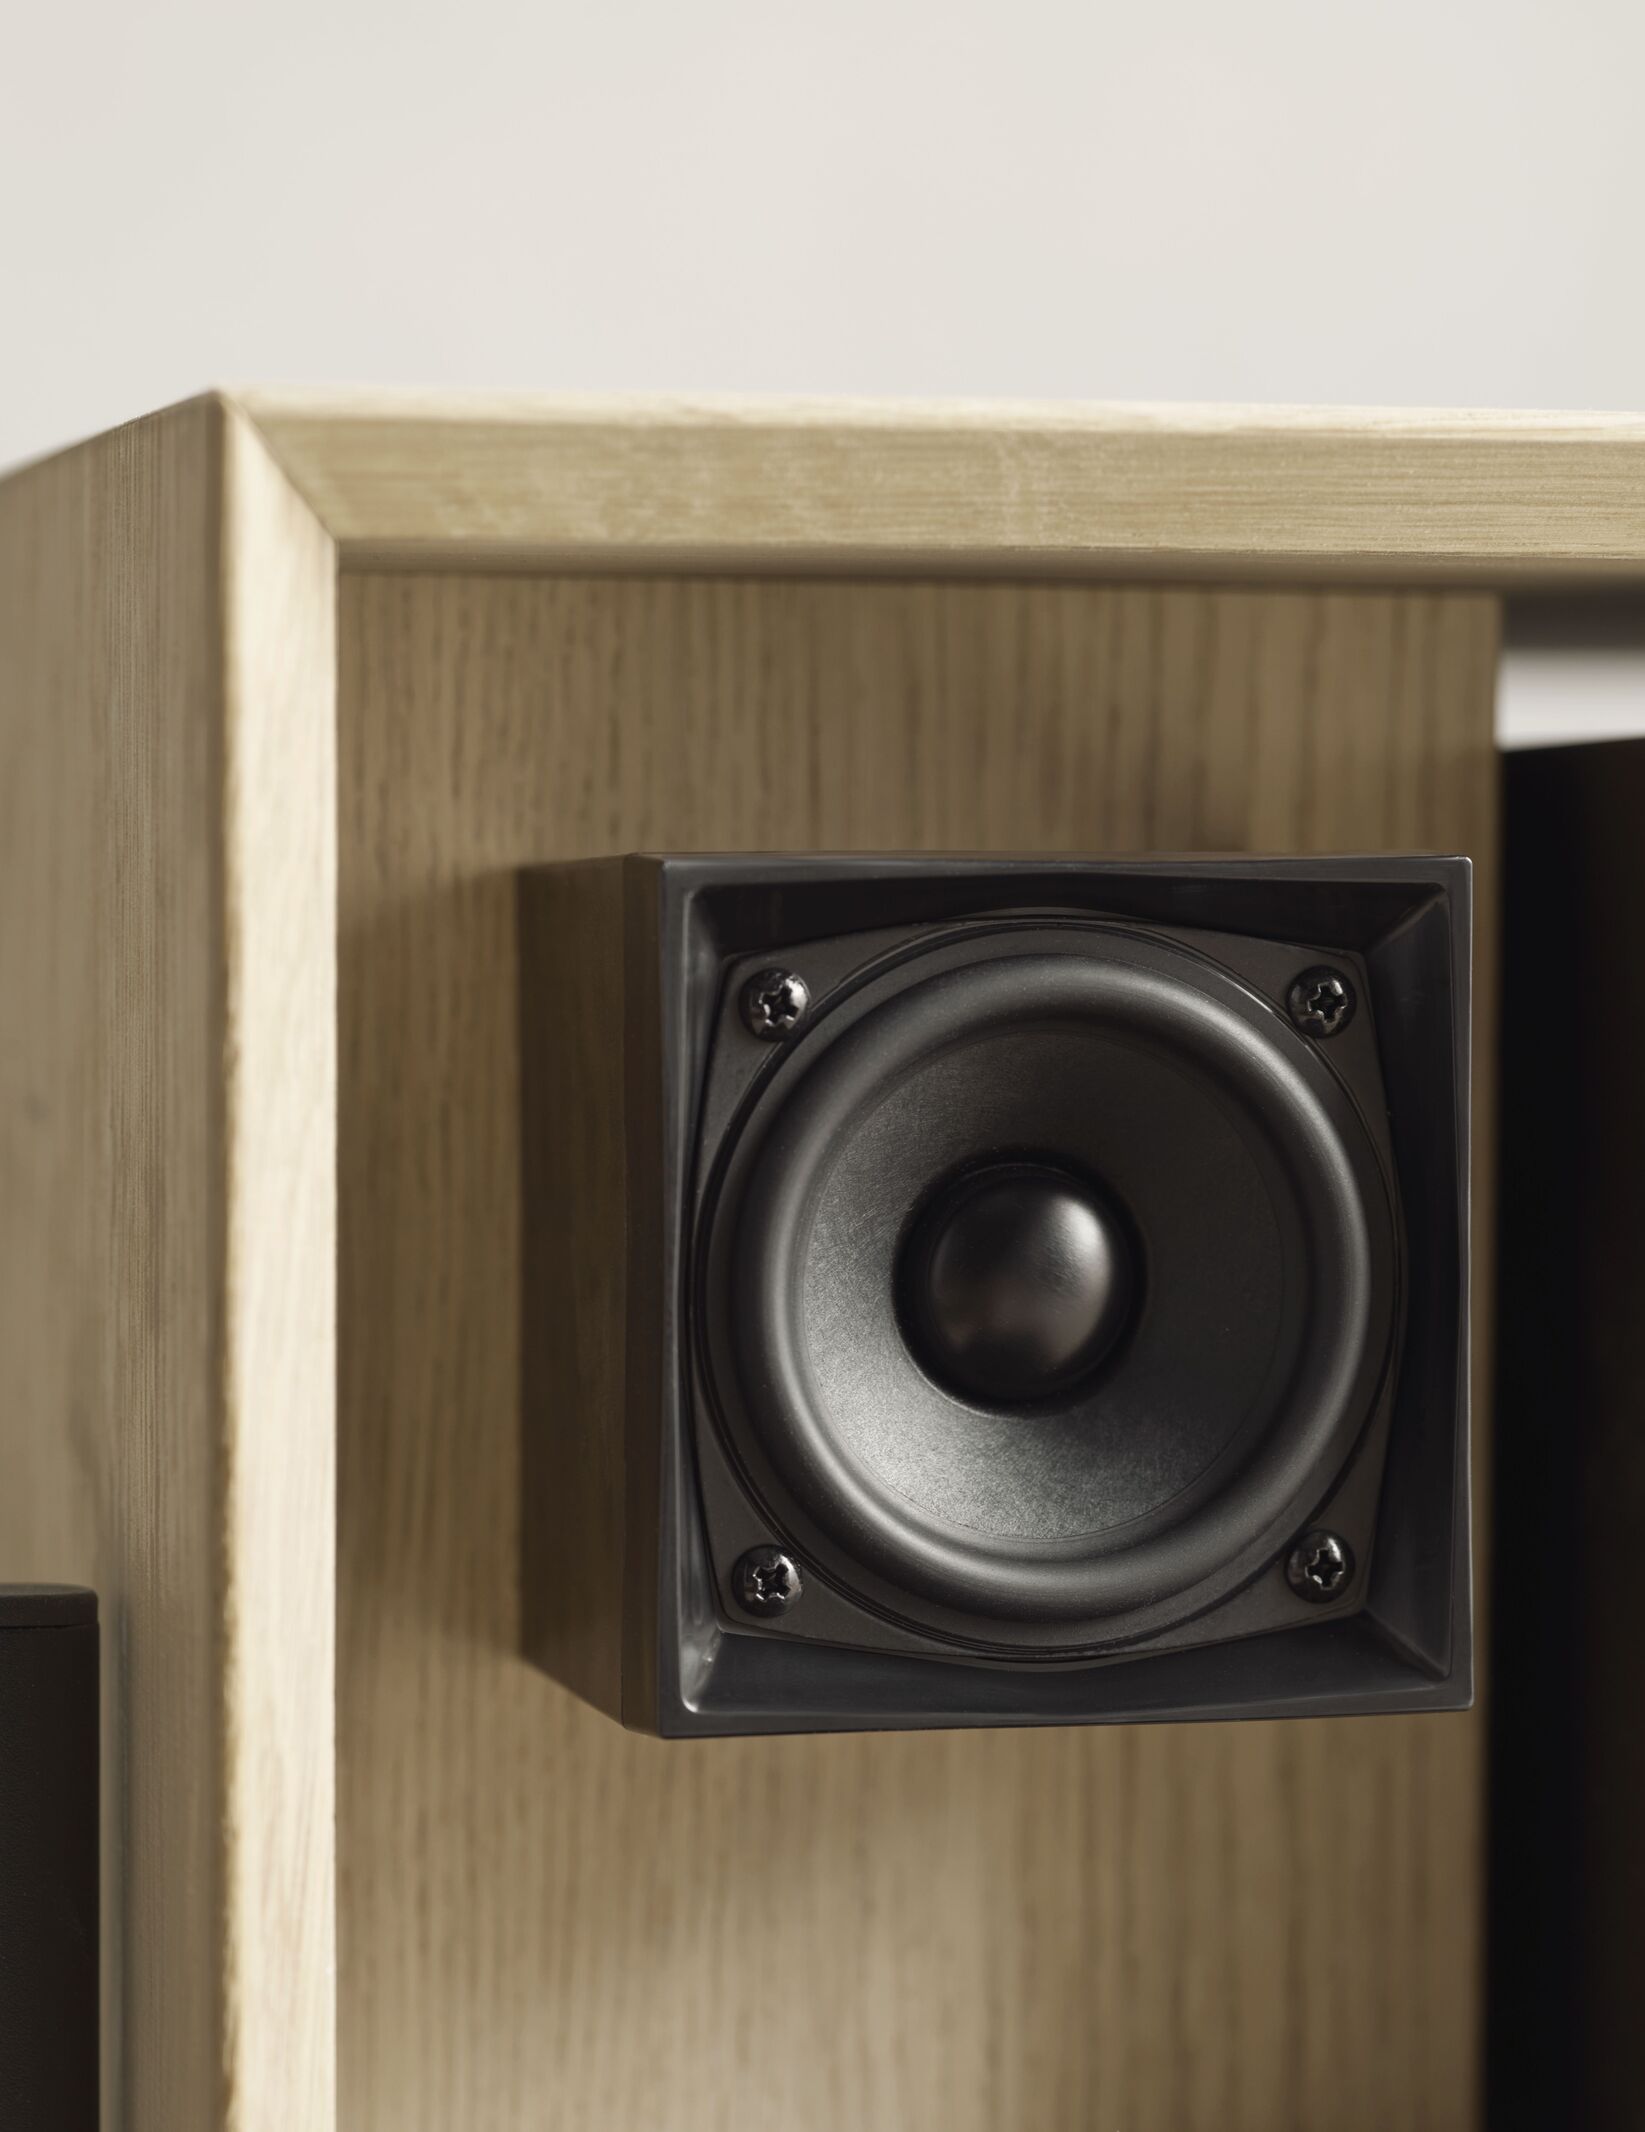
{"x":166,"y":1124}
{"x":110,"y":1116}
{"x":1277,"y":494}
{"x":548,"y":1923}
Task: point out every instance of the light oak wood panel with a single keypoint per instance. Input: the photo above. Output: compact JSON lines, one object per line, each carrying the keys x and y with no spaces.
{"x":167,"y":1105}
{"x":1280,"y":494}
{"x":548,"y":1923}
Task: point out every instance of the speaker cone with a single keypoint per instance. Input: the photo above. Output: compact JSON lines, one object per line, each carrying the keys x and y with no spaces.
{"x":1049,"y":1279}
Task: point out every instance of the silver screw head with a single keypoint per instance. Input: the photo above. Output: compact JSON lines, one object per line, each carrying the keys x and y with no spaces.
{"x":765,"y":1582}
{"x":774,"y":1002}
{"x":1319,"y":1567}
{"x":1321,"y":1002}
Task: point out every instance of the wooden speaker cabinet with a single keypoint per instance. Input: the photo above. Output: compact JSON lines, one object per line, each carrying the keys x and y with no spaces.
{"x":291,"y":689}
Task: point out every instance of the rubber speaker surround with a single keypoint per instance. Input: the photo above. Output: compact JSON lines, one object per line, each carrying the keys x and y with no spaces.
{"x":1262,"y":1224}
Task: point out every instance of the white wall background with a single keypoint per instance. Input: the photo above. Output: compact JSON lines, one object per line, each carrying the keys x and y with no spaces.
{"x":1416,"y":202}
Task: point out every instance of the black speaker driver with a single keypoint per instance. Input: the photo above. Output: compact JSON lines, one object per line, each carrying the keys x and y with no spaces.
{"x":1049,"y":1277}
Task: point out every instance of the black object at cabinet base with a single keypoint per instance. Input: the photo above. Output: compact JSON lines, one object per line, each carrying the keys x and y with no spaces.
{"x":48,"y":1858}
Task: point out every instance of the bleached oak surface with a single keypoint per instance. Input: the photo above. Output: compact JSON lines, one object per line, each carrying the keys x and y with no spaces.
{"x":167,"y":1119}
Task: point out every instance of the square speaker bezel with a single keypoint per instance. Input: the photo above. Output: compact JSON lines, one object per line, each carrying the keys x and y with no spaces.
{"x":1406,"y":923}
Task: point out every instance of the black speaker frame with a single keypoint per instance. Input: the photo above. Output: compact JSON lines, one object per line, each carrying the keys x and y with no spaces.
{"x":632,"y":1522}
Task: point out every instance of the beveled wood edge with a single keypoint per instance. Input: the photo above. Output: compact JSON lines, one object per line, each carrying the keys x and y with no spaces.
{"x":1501,"y":501}
{"x":683,"y":486}
{"x":278,"y":1453}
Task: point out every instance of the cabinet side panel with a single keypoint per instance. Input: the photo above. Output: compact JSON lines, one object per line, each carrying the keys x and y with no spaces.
{"x":549,"y":1923}
{"x":167,"y":1135}
{"x":110,"y":1179}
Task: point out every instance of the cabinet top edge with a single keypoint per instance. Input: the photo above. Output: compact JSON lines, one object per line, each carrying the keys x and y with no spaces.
{"x":676,"y":485}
